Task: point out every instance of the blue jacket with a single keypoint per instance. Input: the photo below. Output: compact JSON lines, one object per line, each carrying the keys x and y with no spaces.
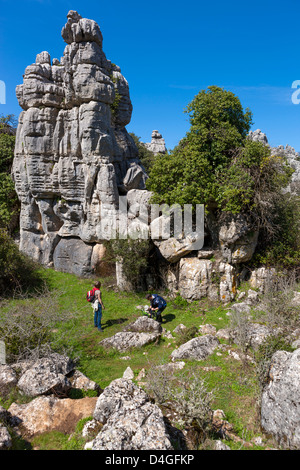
{"x":158,"y":301}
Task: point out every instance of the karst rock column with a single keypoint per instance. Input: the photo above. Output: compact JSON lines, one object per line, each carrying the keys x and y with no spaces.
{"x":73,"y":154}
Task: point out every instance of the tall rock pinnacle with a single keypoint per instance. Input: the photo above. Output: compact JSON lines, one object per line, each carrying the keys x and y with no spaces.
{"x":73,"y":154}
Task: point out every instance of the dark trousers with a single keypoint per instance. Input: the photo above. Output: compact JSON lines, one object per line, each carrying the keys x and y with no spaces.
{"x":158,"y":313}
{"x":97,"y":317}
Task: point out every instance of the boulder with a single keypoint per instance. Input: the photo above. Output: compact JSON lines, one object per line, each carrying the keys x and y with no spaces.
{"x":124,"y":341}
{"x":200,"y":278}
{"x":5,"y":439}
{"x":194,"y":278}
{"x":208,"y":329}
{"x":174,"y":249}
{"x":237,"y":240}
{"x":8,"y":379}
{"x":130,"y":421}
{"x":47,"y":375}
{"x":79,"y":381}
{"x":280,"y":406}
{"x":263,"y":278}
{"x":144,"y":325}
{"x":46,"y":414}
{"x":143,"y":331}
{"x":228,"y":282}
{"x":197,"y":348}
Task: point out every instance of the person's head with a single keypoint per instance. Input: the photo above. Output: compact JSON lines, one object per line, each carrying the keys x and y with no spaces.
{"x":97,"y":284}
{"x":148,"y":296}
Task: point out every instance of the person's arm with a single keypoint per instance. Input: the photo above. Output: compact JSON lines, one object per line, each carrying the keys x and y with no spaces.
{"x":100,"y":299}
{"x":153,"y":303}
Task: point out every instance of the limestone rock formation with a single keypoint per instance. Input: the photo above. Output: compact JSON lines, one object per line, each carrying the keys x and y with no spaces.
{"x":258,"y":136}
{"x":157,"y":144}
{"x":197,"y":348}
{"x":131,"y":421}
{"x":73,"y":154}
{"x":280,"y":408}
{"x":47,"y":375}
{"x":292,"y":157}
{"x":46,"y":414}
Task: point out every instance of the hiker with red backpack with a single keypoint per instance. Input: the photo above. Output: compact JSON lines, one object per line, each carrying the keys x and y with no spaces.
{"x":94,"y":296}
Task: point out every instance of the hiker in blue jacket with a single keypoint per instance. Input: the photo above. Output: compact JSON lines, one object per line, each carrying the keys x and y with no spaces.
{"x":157,"y":305}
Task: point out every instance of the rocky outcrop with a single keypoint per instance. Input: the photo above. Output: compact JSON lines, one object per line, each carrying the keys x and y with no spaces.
{"x":55,"y":374}
{"x":237,"y":240}
{"x":73,"y":155}
{"x":136,"y":335}
{"x":280,"y":408}
{"x":157,"y":144}
{"x":288,"y":152}
{"x":195,"y":278}
{"x":293,"y":159}
{"x":47,"y":375}
{"x":131,"y":421}
{"x":46,"y":414}
{"x":197,"y":348}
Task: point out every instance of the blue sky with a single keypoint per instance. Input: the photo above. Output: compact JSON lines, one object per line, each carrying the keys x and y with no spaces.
{"x":169,"y":51}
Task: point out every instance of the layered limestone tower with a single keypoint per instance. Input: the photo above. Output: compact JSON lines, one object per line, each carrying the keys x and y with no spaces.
{"x":157,"y":144}
{"x":73,"y":155}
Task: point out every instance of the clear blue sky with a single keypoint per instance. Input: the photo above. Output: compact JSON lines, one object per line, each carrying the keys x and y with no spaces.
{"x":169,"y":51}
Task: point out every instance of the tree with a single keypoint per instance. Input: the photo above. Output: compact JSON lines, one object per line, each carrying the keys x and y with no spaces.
{"x":146,"y":156}
{"x":191,"y":174}
{"x":9,"y":204}
{"x":215,"y":164}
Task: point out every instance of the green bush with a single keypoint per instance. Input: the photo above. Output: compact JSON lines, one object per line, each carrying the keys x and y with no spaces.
{"x":215,"y":164}
{"x":191,"y":173}
{"x":146,"y":157}
{"x":133,"y":254}
{"x":186,"y":334}
{"x":263,"y":356}
{"x":17,"y":271}
{"x":9,"y":204}
{"x":28,"y":326}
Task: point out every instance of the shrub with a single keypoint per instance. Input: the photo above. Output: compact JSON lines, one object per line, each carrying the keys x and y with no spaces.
{"x":186,"y":334}
{"x":28,"y":327}
{"x":17,"y":271}
{"x":278,"y":310}
{"x":133,"y":254}
{"x":186,"y":394}
{"x":9,"y":204}
{"x":264,"y":354}
{"x":146,"y":157}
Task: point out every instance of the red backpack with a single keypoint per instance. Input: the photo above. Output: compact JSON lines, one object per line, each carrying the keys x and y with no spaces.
{"x":90,"y":296}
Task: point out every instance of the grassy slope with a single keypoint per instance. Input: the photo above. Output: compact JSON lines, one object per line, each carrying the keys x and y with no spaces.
{"x":234,"y":383}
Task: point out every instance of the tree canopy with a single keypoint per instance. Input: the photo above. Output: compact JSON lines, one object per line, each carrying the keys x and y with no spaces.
{"x":9,"y":205}
{"x":215,"y":164}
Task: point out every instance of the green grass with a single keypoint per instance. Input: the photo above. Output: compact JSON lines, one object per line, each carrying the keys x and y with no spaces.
{"x":234,"y":383}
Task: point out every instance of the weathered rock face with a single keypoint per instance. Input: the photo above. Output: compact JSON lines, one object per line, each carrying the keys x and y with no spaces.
{"x":157,"y":144}
{"x":293,"y":159}
{"x":45,"y":414}
{"x":280,"y":409}
{"x":237,"y":240}
{"x":288,"y":152}
{"x":73,"y":155}
{"x":143,"y":331}
{"x":197,"y":348}
{"x":130,"y":421}
{"x":197,"y":278}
